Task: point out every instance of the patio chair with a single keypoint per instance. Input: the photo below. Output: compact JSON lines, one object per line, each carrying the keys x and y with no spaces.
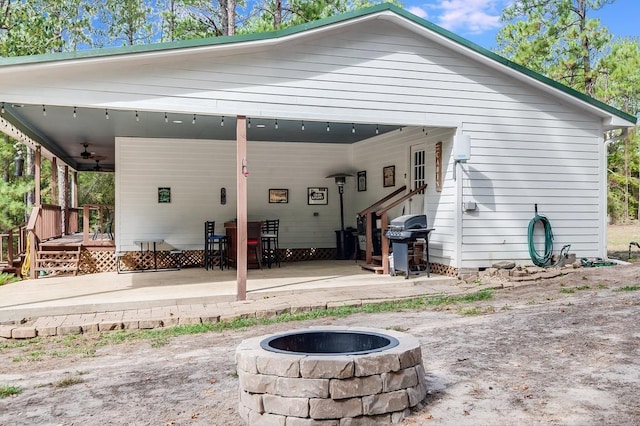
{"x":270,"y":247}
{"x":215,"y":245}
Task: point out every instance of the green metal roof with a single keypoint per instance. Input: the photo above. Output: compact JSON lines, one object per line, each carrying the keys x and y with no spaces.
{"x":245,"y":38}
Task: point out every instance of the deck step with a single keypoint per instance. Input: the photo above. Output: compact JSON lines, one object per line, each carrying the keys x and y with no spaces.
{"x":371,"y":267}
{"x":58,"y":260}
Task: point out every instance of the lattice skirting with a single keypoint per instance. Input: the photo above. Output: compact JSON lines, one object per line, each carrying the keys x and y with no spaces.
{"x":95,"y":261}
{"x":440,"y":269}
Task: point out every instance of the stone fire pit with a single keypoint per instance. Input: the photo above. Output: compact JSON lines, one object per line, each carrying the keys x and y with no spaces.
{"x":325,"y":375}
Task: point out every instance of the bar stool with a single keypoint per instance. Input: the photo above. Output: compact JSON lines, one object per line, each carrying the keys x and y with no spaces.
{"x":253,"y":244}
{"x":270,"y":248}
{"x":213,"y":241}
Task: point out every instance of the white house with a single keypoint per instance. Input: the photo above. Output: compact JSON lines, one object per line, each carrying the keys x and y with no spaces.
{"x":353,"y":93}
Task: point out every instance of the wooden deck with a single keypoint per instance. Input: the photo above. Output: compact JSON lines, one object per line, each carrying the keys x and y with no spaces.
{"x":102,"y":242}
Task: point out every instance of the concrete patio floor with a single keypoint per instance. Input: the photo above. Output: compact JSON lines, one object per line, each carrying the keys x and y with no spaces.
{"x":310,"y":284}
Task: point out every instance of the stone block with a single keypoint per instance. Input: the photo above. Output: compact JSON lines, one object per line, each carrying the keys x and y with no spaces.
{"x":169,"y":321}
{"x":131,"y":325}
{"x":47,"y":331}
{"x":330,"y":409}
{"x":367,"y":421}
{"x":64,"y":330}
{"x":417,"y":393}
{"x":246,"y":360}
{"x":257,"y":419}
{"x":149,"y":324}
{"x":297,"y":421}
{"x":411,"y":357}
{"x":209,"y":318}
{"x":23,"y":333}
{"x":296,"y":407}
{"x":5,"y":331}
{"x":402,"y":379}
{"x":399,"y":416}
{"x":338,"y":367}
{"x":385,"y":403}
{"x":370,"y":364}
{"x":252,"y":401}
{"x":243,"y":411}
{"x":295,"y":386}
{"x":109,"y":325}
{"x":355,"y":386}
{"x":90,"y":327}
{"x":504,"y":264}
{"x":257,"y":383}
{"x":189,"y":320}
{"x":277,"y":364}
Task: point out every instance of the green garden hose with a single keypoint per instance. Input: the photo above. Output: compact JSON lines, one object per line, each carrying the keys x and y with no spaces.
{"x":537,"y":259}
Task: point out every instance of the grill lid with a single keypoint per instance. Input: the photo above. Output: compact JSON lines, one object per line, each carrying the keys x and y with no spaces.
{"x":408,"y":222}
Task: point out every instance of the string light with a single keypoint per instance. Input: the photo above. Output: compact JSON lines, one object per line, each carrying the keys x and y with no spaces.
{"x":44,"y":111}
{"x":377,"y":130}
{"x":222,"y":121}
{"x":328,"y":127}
{"x":75,"y":113}
{"x":2,"y":110}
{"x":106,"y":114}
{"x":194,"y":119}
{"x":353,"y":128}
{"x":276,"y":123}
{"x":249,"y":123}
{"x":302,"y":127}
{"x":166,"y":119}
{"x":137,"y":116}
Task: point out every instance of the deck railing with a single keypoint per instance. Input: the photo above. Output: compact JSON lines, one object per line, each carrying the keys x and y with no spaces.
{"x":73,"y":220}
{"x":97,"y":215}
{"x":12,"y":243}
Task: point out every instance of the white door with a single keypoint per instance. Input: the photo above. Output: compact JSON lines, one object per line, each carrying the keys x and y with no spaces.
{"x":417,"y":178}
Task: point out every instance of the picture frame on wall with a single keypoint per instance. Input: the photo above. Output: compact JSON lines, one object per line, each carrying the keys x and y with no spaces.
{"x":278,"y":196}
{"x":362,"y":181}
{"x":389,"y":176}
{"x":317,"y":195}
{"x":164,"y":195}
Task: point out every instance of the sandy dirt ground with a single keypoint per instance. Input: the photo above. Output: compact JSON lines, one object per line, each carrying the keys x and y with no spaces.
{"x":558,"y":351}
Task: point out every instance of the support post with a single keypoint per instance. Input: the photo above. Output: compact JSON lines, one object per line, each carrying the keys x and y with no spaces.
{"x":241,"y":186}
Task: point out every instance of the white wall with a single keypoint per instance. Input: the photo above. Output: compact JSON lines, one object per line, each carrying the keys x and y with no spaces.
{"x":195,"y":170}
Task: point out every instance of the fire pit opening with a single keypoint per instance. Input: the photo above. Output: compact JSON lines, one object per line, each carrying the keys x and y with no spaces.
{"x":329,"y":343}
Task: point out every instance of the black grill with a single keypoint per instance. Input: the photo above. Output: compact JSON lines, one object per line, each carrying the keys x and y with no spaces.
{"x":404,"y":232}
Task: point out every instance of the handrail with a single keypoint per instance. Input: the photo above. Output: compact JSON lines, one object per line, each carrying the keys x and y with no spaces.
{"x":401,"y":200}
{"x":382,"y":213}
{"x":381,"y":201}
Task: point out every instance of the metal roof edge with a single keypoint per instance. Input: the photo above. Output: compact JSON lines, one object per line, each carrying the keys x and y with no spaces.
{"x":246,"y":38}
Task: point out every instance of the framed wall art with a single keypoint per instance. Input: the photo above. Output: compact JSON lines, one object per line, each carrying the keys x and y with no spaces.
{"x":278,"y":196}
{"x":164,"y":195}
{"x":362,"y":181}
{"x":389,"y":176}
{"x":317,"y":195}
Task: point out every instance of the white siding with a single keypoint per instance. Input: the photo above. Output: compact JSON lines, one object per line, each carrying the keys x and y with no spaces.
{"x":195,"y":170}
{"x":527,"y":146}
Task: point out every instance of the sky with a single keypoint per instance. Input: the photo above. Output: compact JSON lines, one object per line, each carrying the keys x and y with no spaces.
{"x":479,"y":20}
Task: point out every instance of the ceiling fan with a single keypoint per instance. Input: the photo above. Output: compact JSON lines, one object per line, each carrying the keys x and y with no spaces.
{"x":98,"y":167}
{"x":86,"y":155}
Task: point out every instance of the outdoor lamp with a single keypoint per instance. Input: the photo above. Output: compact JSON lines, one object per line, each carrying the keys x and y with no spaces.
{"x":341,"y":179}
{"x":18,"y":162}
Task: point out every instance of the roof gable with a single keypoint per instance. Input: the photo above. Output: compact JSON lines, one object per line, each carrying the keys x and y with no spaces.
{"x":343,"y":19}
